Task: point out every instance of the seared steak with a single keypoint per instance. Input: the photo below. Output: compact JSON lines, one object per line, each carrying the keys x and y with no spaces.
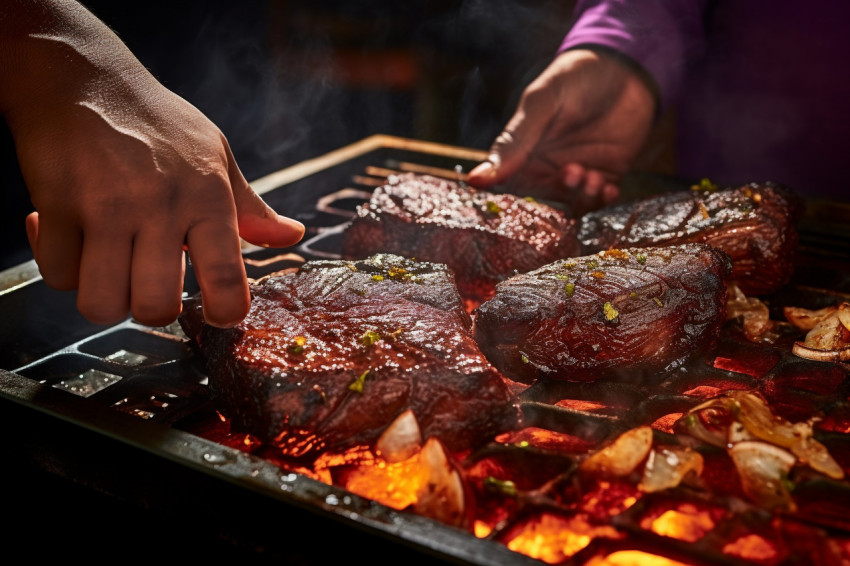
{"x":483,"y":237}
{"x":754,"y":224}
{"x":330,"y":354}
{"x":622,"y":312}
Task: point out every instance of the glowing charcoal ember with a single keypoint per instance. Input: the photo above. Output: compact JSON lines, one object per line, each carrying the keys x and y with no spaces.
{"x":752,"y":547}
{"x":681,"y":520}
{"x":553,"y":538}
{"x":741,"y":358}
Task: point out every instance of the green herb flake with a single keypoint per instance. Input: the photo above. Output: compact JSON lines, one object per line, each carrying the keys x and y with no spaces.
{"x":492,"y":207}
{"x":357,"y":385}
{"x":705,"y":184}
{"x":641,"y":258}
{"x":524,"y":358}
{"x":506,"y":487}
{"x":369,"y":337}
{"x":658,"y":301}
{"x":570,"y":288}
{"x":632,"y":295}
{"x":377,"y":277}
{"x":560,"y":276}
{"x":398,"y":273}
{"x":297,"y":346}
{"x":610,"y":312}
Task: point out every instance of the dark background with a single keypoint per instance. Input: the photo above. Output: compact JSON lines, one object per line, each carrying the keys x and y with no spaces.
{"x":290,"y":80}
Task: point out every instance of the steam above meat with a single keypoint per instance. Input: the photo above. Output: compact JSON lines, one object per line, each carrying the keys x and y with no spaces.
{"x":754,"y":224}
{"x":483,"y":237}
{"x":330,"y":354}
{"x":620,"y":312}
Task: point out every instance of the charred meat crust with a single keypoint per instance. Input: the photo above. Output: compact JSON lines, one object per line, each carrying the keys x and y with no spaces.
{"x":754,"y":224}
{"x":483,"y":237}
{"x":331,"y":353}
{"x":624,"y":312}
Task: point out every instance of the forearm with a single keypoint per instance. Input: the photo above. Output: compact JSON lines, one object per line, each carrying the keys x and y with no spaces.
{"x":56,"y":52}
{"x":662,"y":37}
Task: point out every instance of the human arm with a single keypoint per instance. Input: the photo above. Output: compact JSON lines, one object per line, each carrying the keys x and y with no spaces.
{"x":123,"y":173}
{"x":580,"y":124}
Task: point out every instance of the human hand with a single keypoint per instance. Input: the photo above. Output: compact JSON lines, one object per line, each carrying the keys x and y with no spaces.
{"x":578,"y":127}
{"x":124,"y":176}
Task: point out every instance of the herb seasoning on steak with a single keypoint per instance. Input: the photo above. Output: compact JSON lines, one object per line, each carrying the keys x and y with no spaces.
{"x":622,"y":312}
{"x":483,"y":237}
{"x":331,"y":353}
{"x":754,"y":224}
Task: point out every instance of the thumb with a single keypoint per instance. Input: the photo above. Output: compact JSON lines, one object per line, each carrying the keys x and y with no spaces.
{"x":260,"y":225}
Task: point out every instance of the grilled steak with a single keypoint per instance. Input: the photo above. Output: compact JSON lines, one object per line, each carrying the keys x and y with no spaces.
{"x":624,"y":311}
{"x":483,"y":237}
{"x":754,"y":224}
{"x":332,"y":352}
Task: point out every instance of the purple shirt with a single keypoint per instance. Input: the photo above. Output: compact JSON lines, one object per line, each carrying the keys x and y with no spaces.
{"x":760,"y":88}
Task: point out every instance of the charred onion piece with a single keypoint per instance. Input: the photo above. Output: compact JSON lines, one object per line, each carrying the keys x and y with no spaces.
{"x":622,"y":456}
{"x":753,"y":314}
{"x":441,"y":497}
{"x":743,"y":416}
{"x":401,"y":440}
{"x":764,"y":469}
{"x":667,"y":466}
{"x":758,"y":419}
{"x":828,"y":337}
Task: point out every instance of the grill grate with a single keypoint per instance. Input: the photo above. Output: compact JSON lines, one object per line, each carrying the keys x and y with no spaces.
{"x":144,"y":386}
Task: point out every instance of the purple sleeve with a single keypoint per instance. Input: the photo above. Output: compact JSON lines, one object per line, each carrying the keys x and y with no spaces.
{"x":661,"y":36}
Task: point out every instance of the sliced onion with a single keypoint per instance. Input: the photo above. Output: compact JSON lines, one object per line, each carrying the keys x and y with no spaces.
{"x":820,"y":355}
{"x":763,"y":469}
{"x":667,"y":466}
{"x":442,"y":496}
{"x":622,"y":456}
{"x":810,"y":451}
{"x":806,"y":319}
{"x":401,"y":440}
{"x":753,"y":313}
{"x":709,"y":421}
{"x":760,"y":421}
{"x":828,"y":336}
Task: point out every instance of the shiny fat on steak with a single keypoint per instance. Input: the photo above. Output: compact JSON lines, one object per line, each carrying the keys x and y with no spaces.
{"x":331,"y":353}
{"x":620,"y":313}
